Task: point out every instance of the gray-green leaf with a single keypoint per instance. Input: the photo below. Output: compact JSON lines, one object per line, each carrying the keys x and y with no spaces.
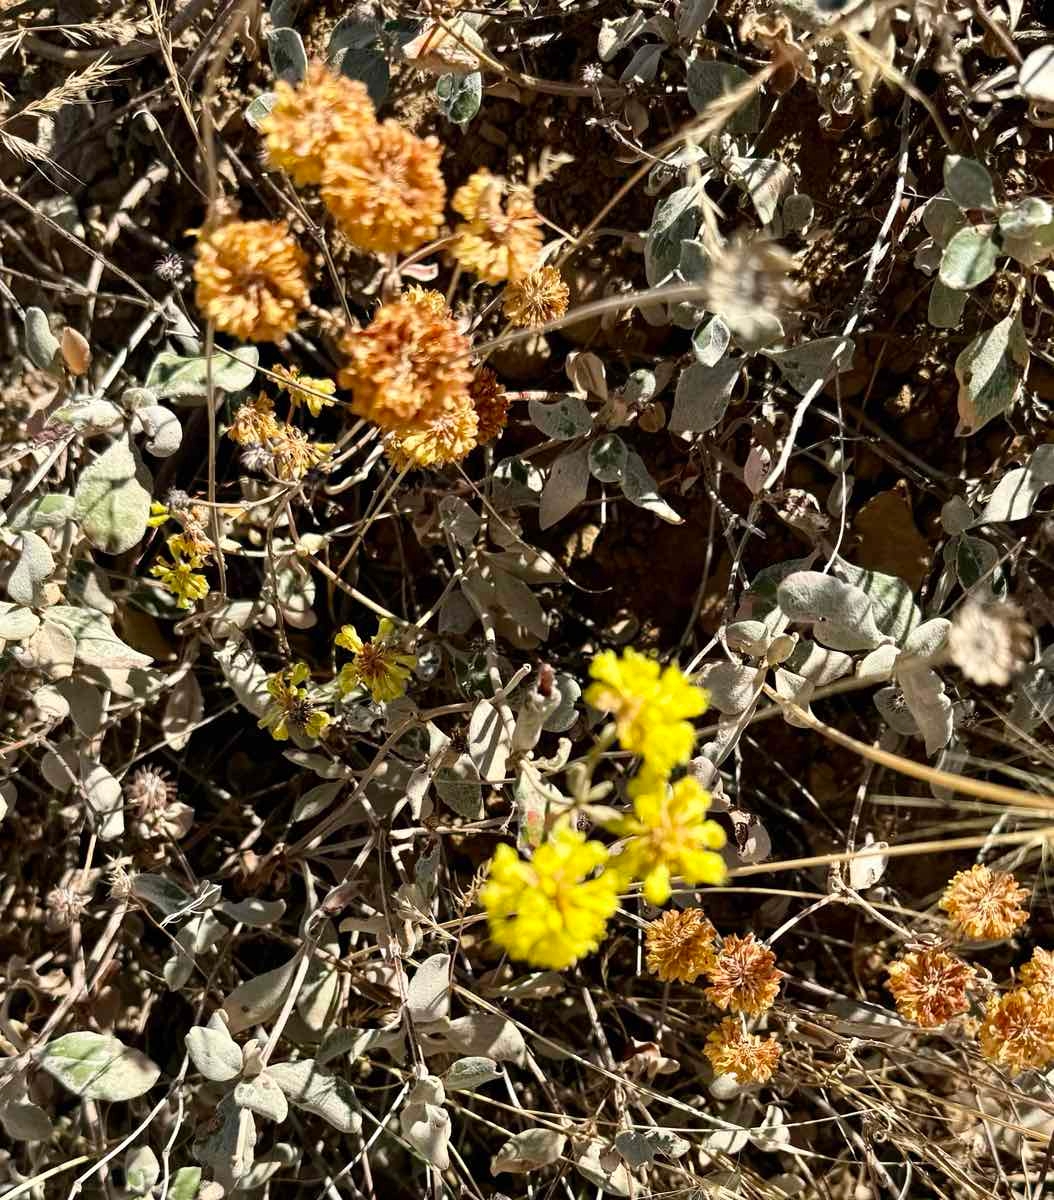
{"x":318,"y":1091}
{"x":968,"y":183}
{"x":98,"y":1066}
{"x":969,"y":258}
{"x":176,"y":375}
{"x":561,"y":419}
{"x":214,"y":1053}
{"x":991,"y":373}
{"x":112,"y":499}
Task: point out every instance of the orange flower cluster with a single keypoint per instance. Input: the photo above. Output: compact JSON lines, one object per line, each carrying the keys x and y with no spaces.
{"x":251,"y":279}
{"x":1018,"y":1029}
{"x":745,"y":1056}
{"x":536,"y":299}
{"x":501,"y":236}
{"x":491,"y":404}
{"x":381,"y":182}
{"x":929,"y":986}
{"x":681,"y":945}
{"x":744,"y":978}
{"x":984,"y":904}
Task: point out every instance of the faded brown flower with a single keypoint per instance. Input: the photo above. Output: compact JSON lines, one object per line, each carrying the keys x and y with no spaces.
{"x":321,"y":111}
{"x":982,"y":903}
{"x":746,"y":1056}
{"x":501,"y":236}
{"x":251,"y":279}
{"x":293,"y":454}
{"x":1018,"y":1029}
{"x":408,"y":367}
{"x":681,"y":945}
{"x":444,"y":439}
{"x":744,"y":978}
{"x":492,"y":404}
{"x":254,"y":422}
{"x":1038,"y":972}
{"x":989,"y":643}
{"x":536,"y":299}
{"x":385,"y":189}
{"x":929,"y":986}
{"x":158,"y":813}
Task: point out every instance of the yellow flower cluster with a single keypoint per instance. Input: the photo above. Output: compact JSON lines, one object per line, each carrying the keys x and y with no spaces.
{"x":180,"y":577}
{"x":292,"y":706}
{"x":286,"y":450}
{"x":501,"y":235}
{"x":666,"y":834}
{"x":379,"y":665}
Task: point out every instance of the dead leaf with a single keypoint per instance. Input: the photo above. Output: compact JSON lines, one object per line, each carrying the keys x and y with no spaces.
{"x":889,"y":539}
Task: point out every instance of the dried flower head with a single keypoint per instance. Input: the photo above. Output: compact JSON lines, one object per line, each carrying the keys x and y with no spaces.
{"x":746,"y":1056}
{"x":748,"y":284}
{"x":150,"y":790}
{"x":668,"y":834}
{"x":444,"y":439}
{"x":1018,"y":1029}
{"x":380,"y":665}
{"x":428,"y":298}
{"x":308,"y":119}
{"x":251,"y":279}
{"x":501,"y":236}
{"x":291,"y":705}
{"x":929,"y":986}
{"x":293,"y":454}
{"x":120,"y":879}
{"x":592,"y":74}
{"x":536,"y":299}
{"x":408,"y":365}
{"x":64,"y":905}
{"x":681,"y":945}
{"x":744,"y":978}
{"x":989,"y":643}
{"x":547,"y":911}
{"x":254,"y":422}
{"x":314,"y":393}
{"x":171,"y":268}
{"x":982,"y":903}
{"x":385,"y":189}
{"x":491,"y":404}
{"x":1038,"y":972}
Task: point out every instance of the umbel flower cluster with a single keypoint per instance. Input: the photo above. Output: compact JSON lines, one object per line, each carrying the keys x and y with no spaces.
{"x":552,"y":909}
{"x":932,"y":985}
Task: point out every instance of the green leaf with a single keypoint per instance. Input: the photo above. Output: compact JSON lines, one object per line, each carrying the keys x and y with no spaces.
{"x":185,"y":1183}
{"x":176,"y":375}
{"x":43,"y":512}
{"x":561,"y":419}
{"x":710,"y":341}
{"x":214,"y":1053}
{"x":639,"y":488}
{"x":969,"y":258}
{"x":112,"y":499}
{"x":991,"y":374}
{"x":968,"y":183}
{"x":42,"y":346}
{"x":676,"y":219}
{"x":259,"y":997}
{"x":607,"y":458}
{"x":459,"y":96}
{"x":804,"y":365}
{"x":16,"y":623}
{"x":946,"y":306}
{"x":33,"y":568}
{"x":316,"y":1090}
{"x":257,"y":110}
{"x":467,"y":1074}
{"x":97,"y":644}
{"x":371,"y":68}
{"x":708,"y":80}
{"x":285,"y":48}
{"x":565,"y":488}
{"x":942,"y":219}
{"x":141,"y":1170}
{"x":98,"y":1066}
{"x":263,"y":1096}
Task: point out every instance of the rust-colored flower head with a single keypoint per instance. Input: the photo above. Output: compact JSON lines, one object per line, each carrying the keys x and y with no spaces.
{"x":681,"y":945}
{"x":982,"y":903}
{"x":1038,"y":972}
{"x":446,"y":438}
{"x":309,"y":118}
{"x":293,"y":454}
{"x":929,"y":986}
{"x":501,"y":236}
{"x":251,"y":279}
{"x":385,"y":190}
{"x":407,"y":367}
{"x":254,"y":422}
{"x":746,"y":1056}
{"x":1018,"y":1029}
{"x":492,"y":404}
{"x":536,"y":299}
{"x":744,"y":978}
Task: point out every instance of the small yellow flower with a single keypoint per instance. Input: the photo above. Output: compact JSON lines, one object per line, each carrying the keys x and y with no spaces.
{"x":547,"y":911}
{"x":501,"y":236}
{"x":254,"y":422}
{"x":180,"y":579}
{"x":446,"y":438}
{"x":378,"y":664}
{"x":251,"y":279}
{"x":667,"y":835}
{"x":291,"y":706}
{"x":159,"y":514}
{"x":302,"y":389}
{"x":748,"y":1057}
{"x":536,"y":299}
{"x":982,"y":903}
{"x":191,"y":548}
{"x":651,"y":706}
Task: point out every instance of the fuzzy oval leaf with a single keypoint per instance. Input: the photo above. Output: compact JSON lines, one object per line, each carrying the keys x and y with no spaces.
{"x":565,"y":488}
{"x":318,"y":1091}
{"x":467,"y":1074}
{"x":177,"y":375}
{"x":607,"y":458}
{"x":112,"y":500}
{"x":41,"y":344}
{"x":263,"y":1096}
{"x":16,"y":622}
{"x":98,"y":1066}
{"x":43,"y":512}
{"x":991,"y":373}
{"x":640,"y":489}
{"x":708,"y":80}
{"x":710,"y":341}
{"x":969,"y":258}
{"x":34,"y":567}
{"x":528,"y":1151}
{"x":946,"y":306}
{"x":702,"y":395}
{"x":428,"y":993}
{"x":259,"y":998}
{"x":285,"y":47}
{"x":459,"y":96}
{"x":561,"y":419}
{"x":141,"y":1170}
{"x":97,"y":644}
{"x":488,"y":741}
{"x":968,"y":182}
{"x":813,"y":362}
{"x":214,"y":1053}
